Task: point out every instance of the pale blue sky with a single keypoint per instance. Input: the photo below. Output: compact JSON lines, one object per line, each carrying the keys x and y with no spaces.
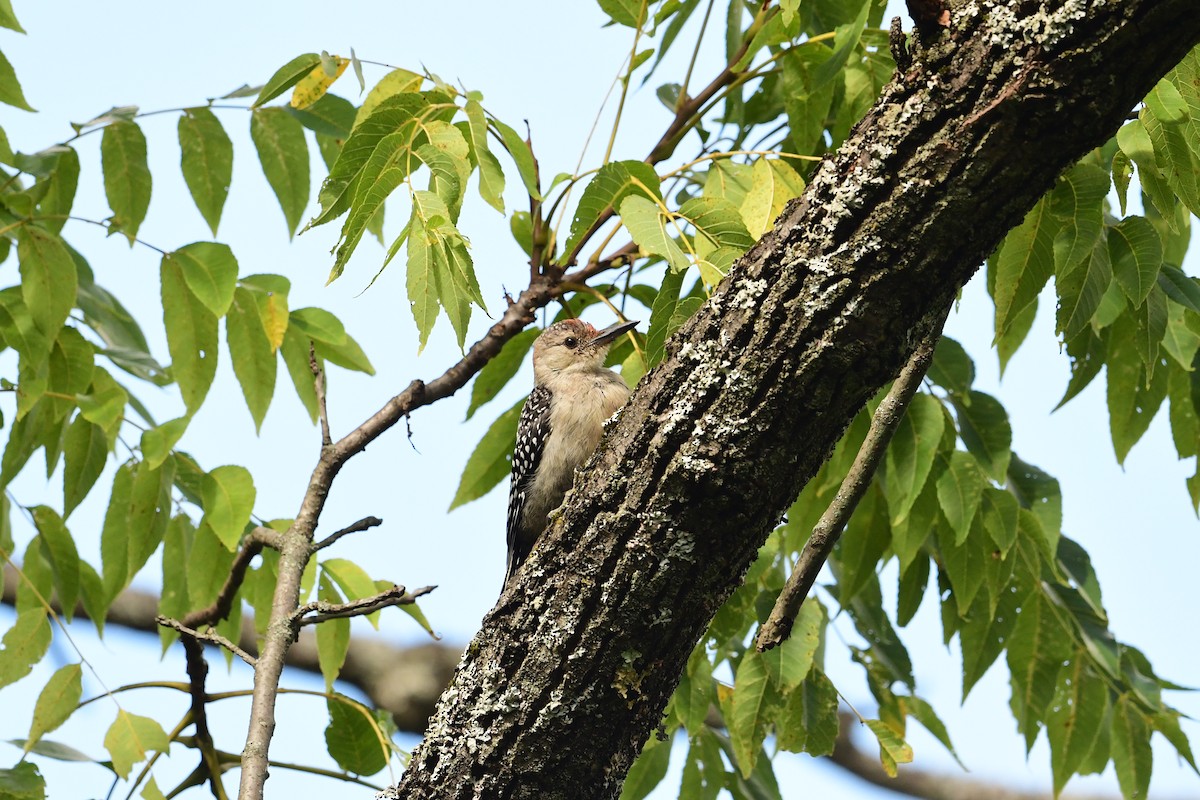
{"x":550,"y":64}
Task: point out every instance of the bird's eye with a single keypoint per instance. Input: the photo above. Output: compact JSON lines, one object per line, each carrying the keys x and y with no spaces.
{"x":571,"y":342}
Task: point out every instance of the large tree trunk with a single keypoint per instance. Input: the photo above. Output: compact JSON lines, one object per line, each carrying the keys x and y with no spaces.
{"x":572,"y":669}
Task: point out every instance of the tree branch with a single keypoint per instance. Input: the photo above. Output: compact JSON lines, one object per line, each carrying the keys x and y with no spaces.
{"x":206,"y":636}
{"x":395,"y":596}
{"x":829,"y":528}
{"x":366,"y":523}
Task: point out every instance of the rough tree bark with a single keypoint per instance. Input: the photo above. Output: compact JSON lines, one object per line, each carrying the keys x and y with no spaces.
{"x":571,"y":671}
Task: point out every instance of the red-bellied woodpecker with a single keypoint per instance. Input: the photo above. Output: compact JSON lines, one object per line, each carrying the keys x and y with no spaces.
{"x":560,"y":426}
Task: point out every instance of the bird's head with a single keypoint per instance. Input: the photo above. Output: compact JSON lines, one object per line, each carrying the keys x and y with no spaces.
{"x":573,"y":344}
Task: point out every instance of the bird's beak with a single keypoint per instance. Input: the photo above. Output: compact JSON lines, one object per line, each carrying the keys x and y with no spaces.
{"x":612,"y":332}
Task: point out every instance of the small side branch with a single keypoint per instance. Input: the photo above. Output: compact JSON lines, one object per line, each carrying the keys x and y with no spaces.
{"x":828,"y":529}
{"x":207,"y":636}
{"x":396,"y":596}
{"x":363,"y":524}
{"x":259,"y":538}
{"x":319,"y":386}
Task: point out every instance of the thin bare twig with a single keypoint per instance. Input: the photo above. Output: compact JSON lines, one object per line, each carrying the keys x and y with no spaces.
{"x":828,"y":529}
{"x":319,"y":387}
{"x":395,"y":596}
{"x":207,"y":636}
{"x":366,"y":523}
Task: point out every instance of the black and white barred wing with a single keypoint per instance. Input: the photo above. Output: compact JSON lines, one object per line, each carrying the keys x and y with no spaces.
{"x":532,"y":431}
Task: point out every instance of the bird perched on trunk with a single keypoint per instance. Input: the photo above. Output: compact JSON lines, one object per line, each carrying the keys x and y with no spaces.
{"x":560,"y":426}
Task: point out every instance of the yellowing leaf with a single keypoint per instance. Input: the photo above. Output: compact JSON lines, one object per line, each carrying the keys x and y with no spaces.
{"x":130,"y":738}
{"x":316,"y":83}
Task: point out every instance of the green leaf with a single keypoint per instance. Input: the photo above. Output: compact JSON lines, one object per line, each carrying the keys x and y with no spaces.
{"x":522,"y":156}
{"x":393,"y":114}
{"x":613,"y":183}
{"x":648,"y":770}
{"x":1135,"y":142}
{"x":130,"y":738}
{"x":491,"y":177}
{"x":421,"y":283}
{"x":965,"y":563}
{"x":923,"y":713}
{"x":893,"y":750}
{"x":206,"y":161}
{"x":1136,"y":254}
{"x":353,"y":738}
{"x":809,"y":722}
{"x":283,"y":153}
{"x":1075,"y":717}
{"x":210,"y":270}
{"x":630,"y":13}
{"x":24,"y":644}
{"x":148,"y":513}
{"x":331,"y":116}
{"x":10,"y":88}
{"x":114,"y":535}
{"x":58,"y":700}
{"x":746,"y":722}
{"x":654,"y":230}
{"x":959,"y":489}
{"x":1185,"y":426}
{"x":910,"y":454}
{"x":48,"y":282}
{"x":7,"y":18}
{"x":789,"y":663}
{"x":983,"y":426}
{"x":22,"y":782}
{"x":1037,"y":649}
{"x":70,"y":370}
{"x":1078,"y":200}
{"x":251,"y":355}
{"x":862,"y":545}
{"x":773,"y":183}
{"x":176,"y":555}
{"x":333,"y":635}
{"x":694,"y":696}
{"x":191,"y":334}
{"x":1180,"y":287}
{"x":86,"y":450}
{"x":1000,"y":512}
{"x":496,"y":373}
{"x":662,"y":316}
{"x":491,"y":461}
{"x":104,"y":404}
{"x":1081,"y":288}
{"x":63,"y":556}
{"x":319,"y":325}
{"x":295,"y":354}
{"x":1133,"y":399}
{"x":1131,"y":753}
{"x":398,"y":81}
{"x":126,"y":176}
{"x":1026,"y":262}
{"x":1039,"y":492}
{"x":208,"y":568}
{"x":286,"y":77}
{"x":348,"y":355}
{"x":952,"y":368}
{"x":228,"y":500}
